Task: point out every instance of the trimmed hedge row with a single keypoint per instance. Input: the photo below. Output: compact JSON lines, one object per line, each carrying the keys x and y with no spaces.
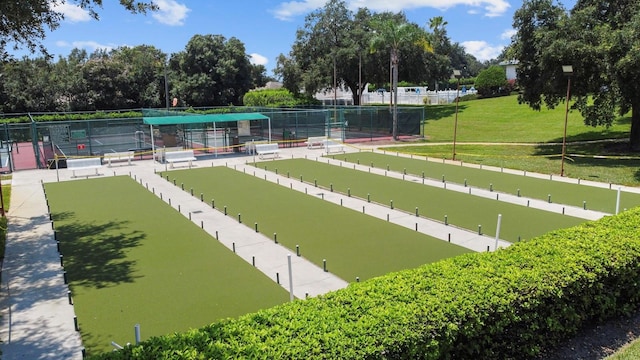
{"x":509,"y":304}
{"x":98,"y":115}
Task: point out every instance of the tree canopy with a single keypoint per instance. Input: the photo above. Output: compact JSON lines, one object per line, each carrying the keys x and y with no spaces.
{"x":335,"y":35}
{"x":492,"y":81}
{"x":210,"y":71}
{"x":25,"y":22}
{"x":600,"y":39}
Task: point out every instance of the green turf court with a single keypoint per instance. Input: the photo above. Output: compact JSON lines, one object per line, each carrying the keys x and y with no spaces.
{"x":354,"y":244}
{"x":462,"y":210}
{"x":132,"y":259}
{"x":599,"y":199}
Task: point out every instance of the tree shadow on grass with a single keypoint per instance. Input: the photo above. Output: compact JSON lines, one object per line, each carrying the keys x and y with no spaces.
{"x":95,"y":254}
{"x":605,"y":154}
{"x":439,"y":112}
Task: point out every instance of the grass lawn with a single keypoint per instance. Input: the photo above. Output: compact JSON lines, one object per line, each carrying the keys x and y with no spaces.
{"x":462,"y":210}
{"x":502,"y":119}
{"x":354,"y":244}
{"x":529,"y":140}
{"x":628,"y":352}
{"x":563,"y":193}
{"x":132,"y":259}
{"x":617,"y":170}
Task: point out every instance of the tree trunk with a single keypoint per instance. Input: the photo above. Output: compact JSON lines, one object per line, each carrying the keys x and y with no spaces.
{"x":394,"y":63}
{"x":634,"y":137}
{"x":355,"y":94}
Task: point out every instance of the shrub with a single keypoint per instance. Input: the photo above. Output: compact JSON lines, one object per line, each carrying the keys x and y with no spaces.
{"x":270,"y":97}
{"x":492,"y":82}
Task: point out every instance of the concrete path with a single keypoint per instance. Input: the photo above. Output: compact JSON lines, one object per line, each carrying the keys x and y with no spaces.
{"x":37,"y":317}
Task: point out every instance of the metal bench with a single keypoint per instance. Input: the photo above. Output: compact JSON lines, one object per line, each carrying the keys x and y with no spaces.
{"x":84,"y":164}
{"x":315,"y":141}
{"x":267,"y":149}
{"x":179,"y":156}
{"x":119,"y":156}
{"x":332,"y":146}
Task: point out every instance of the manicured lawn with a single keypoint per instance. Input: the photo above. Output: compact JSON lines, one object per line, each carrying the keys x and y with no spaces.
{"x":502,"y":119}
{"x":354,"y":244}
{"x":132,"y":259}
{"x":563,"y":193}
{"x":619,"y":168}
{"x":462,"y":210}
{"x":628,"y":352}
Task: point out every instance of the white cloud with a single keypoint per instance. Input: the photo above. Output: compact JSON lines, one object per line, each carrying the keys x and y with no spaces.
{"x":257,"y":59}
{"x":72,"y":13}
{"x":508,"y":34}
{"x":170,"y":12}
{"x":482,"y":50}
{"x":90,"y":46}
{"x":290,"y":9}
{"x":492,"y":8}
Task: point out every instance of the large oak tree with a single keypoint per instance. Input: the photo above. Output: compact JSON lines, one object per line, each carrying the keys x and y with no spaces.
{"x":600,"y":39}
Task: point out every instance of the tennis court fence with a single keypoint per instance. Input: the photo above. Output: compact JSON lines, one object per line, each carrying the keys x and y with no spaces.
{"x":35,"y":144}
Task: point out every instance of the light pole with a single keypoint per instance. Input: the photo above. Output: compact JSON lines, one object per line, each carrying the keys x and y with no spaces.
{"x":568,"y":71}
{"x":166,"y":89}
{"x":360,"y":78}
{"x":457,"y":74}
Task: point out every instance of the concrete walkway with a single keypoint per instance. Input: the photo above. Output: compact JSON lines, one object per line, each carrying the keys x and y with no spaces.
{"x":37,"y":316}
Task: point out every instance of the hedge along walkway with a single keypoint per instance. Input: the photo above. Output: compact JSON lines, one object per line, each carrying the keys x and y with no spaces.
{"x":600,"y":197}
{"x":354,"y":245}
{"x":131,"y":259}
{"x":463,"y":210}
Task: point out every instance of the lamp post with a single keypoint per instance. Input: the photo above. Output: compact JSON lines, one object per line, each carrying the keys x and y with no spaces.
{"x":166,"y":89}
{"x":568,"y":71}
{"x":360,"y":78}
{"x":457,"y":74}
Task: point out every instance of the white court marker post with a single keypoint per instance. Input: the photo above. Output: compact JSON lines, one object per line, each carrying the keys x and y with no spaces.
{"x":498,"y":230}
{"x":618,"y":201}
{"x":290,"y":278}
{"x":136,"y":330}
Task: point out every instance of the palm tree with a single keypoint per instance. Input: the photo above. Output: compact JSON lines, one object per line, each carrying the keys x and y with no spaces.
{"x":391,"y":34}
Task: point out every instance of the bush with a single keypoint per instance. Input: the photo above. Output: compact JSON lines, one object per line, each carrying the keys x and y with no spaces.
{"x":508,"y":304}
{"x":270,"y":97}
{"x":492,"y":82}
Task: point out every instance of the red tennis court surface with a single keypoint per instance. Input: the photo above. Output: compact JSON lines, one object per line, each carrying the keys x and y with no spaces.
{"x":23,"y":156}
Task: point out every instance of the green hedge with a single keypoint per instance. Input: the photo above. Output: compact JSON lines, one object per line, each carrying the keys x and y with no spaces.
{"x":98,"y":115}
{"x":509,"y":304}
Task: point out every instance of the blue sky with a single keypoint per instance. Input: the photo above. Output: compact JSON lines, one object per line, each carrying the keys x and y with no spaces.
{"x":268,"y":27}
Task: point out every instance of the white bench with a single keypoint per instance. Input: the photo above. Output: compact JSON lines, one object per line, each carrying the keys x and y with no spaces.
{"x":84,"y":164}
{"x":250,"y":148}
{"x":315,"y":141}
{"x":119,"y":156}
{"x":331,"y":146}
{"x":267,"y":149}
{"x":179,"y":156}
{"x":159,"y":152}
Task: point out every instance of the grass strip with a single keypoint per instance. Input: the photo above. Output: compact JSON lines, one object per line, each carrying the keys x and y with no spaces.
{"x":599,"y":199}
{"x":354,"y":244}
{"x":619,"y":168}
{"x":461,"y":209}
{"x":132,"y":259}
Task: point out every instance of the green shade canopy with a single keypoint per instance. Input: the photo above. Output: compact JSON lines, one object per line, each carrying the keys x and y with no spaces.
{"x":199,"y":119}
